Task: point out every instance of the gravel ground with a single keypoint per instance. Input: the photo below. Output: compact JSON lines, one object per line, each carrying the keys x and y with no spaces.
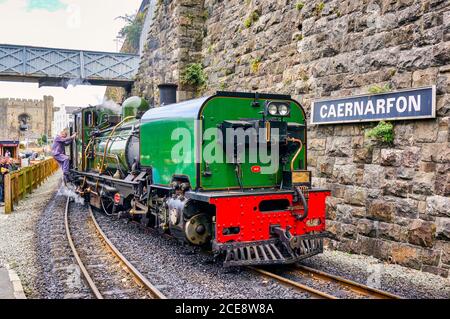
{"x":370,"y":271}
{"x":181,"y":272}
{"x":109,"y":276}
{"x":17,"y":234}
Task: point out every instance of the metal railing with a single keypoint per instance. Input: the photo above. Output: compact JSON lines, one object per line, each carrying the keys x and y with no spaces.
{"x":62,"y":67}
{"x":22,"y":182}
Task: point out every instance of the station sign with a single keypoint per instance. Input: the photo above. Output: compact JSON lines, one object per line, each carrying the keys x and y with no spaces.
{"x":410,"y":104}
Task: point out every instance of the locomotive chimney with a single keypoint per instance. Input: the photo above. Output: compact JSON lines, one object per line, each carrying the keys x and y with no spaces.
{"x":168,"y":93}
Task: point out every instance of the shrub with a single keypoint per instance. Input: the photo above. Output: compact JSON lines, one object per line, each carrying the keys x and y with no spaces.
{"x":254,"y":16}
{"x":255,"y":65}
{"x":319,"y":8}
{"x":194,"y":75}
{"x":299,"y":6}
{"x":383,"y":132}
{"x":131,"y":32}
{"x":376,"y":89}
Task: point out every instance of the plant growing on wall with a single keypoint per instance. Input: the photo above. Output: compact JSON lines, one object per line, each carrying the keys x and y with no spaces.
{"x":376,"y":89}
{"x":255,"y":64}
{"x":193,"y":75}
{"x":299,"y":6}
{"x":319,"y":8}
{"x":254,"y":16}
{"x":131,"y":32}
{"x":383,"y":132}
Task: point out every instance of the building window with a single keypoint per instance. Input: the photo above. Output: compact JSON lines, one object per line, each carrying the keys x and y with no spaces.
{"x":24,"y":122}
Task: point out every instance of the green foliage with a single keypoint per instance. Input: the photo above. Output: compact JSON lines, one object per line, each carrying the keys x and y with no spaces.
{"x":131,"y":32}
{"x":383,"y":132}
{"x":298,"y":37}
{"x":255,"y":64}
{"x":223,"y":86}
{"x":254,"y":16}
{"x":319,"y":8}
{"x":43,"y":140}
{"x":299,"y":6}
{"x":376,"y":89}
{"x":194,"y":75}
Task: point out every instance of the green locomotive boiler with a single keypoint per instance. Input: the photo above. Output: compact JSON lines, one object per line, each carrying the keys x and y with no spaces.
{"x":228,"y":172}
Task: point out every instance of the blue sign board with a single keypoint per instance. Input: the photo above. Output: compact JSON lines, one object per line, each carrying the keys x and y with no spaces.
{"x":400,"y":105}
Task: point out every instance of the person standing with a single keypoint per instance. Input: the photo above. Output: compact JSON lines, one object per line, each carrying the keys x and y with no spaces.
{"x":8,"y":154}
{"x":3,"y":171}
{"x":59,"y":152}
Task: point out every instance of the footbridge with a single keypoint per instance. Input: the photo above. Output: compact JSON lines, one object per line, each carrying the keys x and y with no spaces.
{"x":62,"y":67}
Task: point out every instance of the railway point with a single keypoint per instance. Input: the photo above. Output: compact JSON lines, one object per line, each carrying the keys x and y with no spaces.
{"x":232,"y":158}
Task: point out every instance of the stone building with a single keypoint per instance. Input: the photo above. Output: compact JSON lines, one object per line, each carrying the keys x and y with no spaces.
{"x":389,"y":201}
{"x":25,"y":120}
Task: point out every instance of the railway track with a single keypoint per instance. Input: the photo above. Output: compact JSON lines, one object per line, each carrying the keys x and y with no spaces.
{"x":104,"y":280}
{"x":298,"y":273}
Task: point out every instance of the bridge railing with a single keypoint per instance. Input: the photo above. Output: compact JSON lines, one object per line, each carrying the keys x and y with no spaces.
{"x":22,"y":182}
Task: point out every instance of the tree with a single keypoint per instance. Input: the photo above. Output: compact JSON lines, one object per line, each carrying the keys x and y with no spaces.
{"x":131,"y":32}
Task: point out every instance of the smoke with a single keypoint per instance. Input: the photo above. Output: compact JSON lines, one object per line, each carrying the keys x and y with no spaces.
{"x":70,"y":192}
{"x":110,"y":105}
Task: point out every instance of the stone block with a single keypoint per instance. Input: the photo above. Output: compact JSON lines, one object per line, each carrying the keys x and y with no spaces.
{"x":406,"y":255}
{"x":331,"y":207}
{"x":392,"y":232}
{"x":426,"y":131}
{"x":317,"y":144}
{"x":381,"y":210}
{"x":344,"y":213}
{"x":425,"y":77}
{"x":422,"y":233}
{"x":325,"y":166}
{"x":410,"y":157}
{"x":391,"y":157}
{"x":367,"y":228}
{"x":444,"y":247}
{"x":373,"y":176}
{"x":339,"y":146}
{"x":406,"y":208}
{"x":363,"y":155}
{"x":348,"y":174}
{"x":438,"y":206}
{"x":356,"y":196}
{"x":443,"y":228}
{"x":424,"y":183}
{"x":405,"y":173}
{"x":397,"y":188}
{"x":436,"y":271}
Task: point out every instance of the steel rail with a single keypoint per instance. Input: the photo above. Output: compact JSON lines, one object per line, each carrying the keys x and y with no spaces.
{"x":138,"y":276}
{"x":86,"y":275}
{"x":296,"y":285}
{"x":352,"y":285}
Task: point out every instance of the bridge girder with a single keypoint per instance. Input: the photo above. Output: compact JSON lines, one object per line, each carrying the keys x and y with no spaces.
{"x":62,"y":67}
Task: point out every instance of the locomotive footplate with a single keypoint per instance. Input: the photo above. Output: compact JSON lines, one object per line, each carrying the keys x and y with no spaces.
{"x":272,"y":251}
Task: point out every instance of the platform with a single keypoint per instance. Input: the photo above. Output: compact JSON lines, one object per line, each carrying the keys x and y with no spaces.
{"x":10,"y":285}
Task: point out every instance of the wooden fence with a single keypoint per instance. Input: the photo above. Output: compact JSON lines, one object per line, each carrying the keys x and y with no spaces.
{"x":22,"y":182}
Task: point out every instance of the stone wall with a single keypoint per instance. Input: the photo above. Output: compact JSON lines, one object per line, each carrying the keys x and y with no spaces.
{"x":389,"y":201}
{"x":174,"y":41}
{"x":40,"y":113}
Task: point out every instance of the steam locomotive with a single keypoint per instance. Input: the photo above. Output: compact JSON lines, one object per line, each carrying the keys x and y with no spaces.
{"x":227,"y":172}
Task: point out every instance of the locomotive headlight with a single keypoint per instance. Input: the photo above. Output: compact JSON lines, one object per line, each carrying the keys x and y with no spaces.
{"x":283,"y":110}
{"x":273,"y":109}
{"x":279,"y":109}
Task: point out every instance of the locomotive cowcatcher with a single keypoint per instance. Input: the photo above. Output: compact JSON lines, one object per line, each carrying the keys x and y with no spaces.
{"x":151,"y":165}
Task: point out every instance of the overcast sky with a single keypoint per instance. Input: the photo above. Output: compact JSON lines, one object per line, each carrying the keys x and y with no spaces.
{"x":71,"y":24}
